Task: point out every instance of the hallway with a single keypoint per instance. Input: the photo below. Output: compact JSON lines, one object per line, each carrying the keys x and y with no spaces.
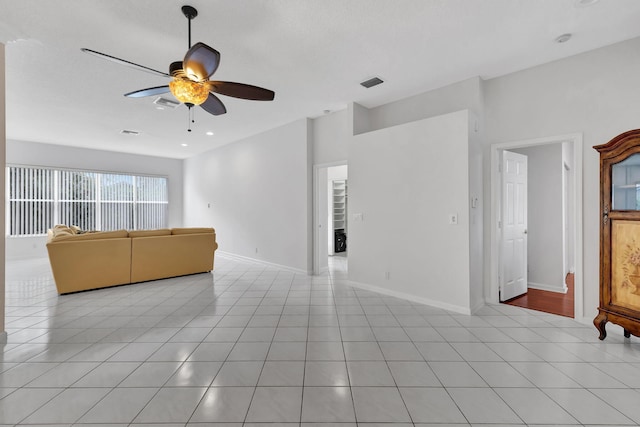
{"x":548,"y":302}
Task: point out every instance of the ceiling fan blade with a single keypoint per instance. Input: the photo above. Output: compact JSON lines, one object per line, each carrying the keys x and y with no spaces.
{"x":213,"y":105}
{"x":201,"y":61}
{"x":124,"y":62}
{"x":241,"y":90}
{"x":158,"y":90}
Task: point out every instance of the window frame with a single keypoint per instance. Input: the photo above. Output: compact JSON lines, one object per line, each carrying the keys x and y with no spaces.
{"x":57,"y":201}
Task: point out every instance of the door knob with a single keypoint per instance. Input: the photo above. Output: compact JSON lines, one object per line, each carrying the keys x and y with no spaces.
{"x":525,"y":231}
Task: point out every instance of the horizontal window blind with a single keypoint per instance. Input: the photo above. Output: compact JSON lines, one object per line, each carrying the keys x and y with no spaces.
{"x":39,"y":198}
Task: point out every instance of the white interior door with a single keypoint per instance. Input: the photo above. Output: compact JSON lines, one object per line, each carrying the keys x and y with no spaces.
{"x":513,"y":259}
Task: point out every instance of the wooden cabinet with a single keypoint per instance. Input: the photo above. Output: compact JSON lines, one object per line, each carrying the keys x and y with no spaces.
{"x":620,"y":234}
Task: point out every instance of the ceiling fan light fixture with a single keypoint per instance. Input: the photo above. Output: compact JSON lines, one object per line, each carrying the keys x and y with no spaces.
{"x":191,"y":75}
{"x":191,"y":85}
{"x":189,"y":92}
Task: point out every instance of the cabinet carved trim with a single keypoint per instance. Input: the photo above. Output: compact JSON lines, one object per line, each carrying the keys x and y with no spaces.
{"x":620,"y":234}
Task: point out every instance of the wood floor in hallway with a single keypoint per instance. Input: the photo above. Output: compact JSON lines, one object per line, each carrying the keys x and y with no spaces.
{"x":548,"y":302}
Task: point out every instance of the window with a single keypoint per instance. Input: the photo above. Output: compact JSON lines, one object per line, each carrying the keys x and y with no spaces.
{"x":39,"y":198}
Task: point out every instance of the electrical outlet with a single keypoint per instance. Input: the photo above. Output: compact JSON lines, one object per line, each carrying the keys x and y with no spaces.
{"x":453,"y":218}
{"x":387,"y":275}
{"x":256,"y":250}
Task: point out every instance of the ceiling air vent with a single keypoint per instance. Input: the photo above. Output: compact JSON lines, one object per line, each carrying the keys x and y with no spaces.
{"x":374,"y":81}
{"x":129,"y":132}
{"x":164,"y":102}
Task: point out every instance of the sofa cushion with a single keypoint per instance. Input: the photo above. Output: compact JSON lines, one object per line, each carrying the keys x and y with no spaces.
{"x":61,"y":232}
{"x":116,"y":234}
{"x":62,"y":229}
{"x":150,"y":233}
{"x":192,"y":230}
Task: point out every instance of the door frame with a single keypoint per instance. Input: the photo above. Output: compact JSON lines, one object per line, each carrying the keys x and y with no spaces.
{"x":317,"y":232}
{"x":492,"y":295}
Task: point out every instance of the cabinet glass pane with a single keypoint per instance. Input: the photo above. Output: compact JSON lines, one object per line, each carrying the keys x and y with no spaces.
{"x":625,"y":182}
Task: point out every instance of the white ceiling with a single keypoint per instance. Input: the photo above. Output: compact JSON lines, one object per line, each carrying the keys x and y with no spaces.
{"x":312,"y":53}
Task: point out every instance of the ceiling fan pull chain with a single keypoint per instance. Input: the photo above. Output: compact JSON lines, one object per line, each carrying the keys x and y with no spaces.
{"x":189,"y":119}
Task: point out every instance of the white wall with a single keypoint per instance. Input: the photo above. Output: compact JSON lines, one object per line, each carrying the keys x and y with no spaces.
{"x":259,"y":190}
{"x":476,"y":219}
{"x":361,"y":121}
{"x":466,"y":94}
{"x":3,"y":142}
{"x":545,"y":217}
{"x":338,"y":173}
{"x":331,"y":137}
{"x":37,"y":154}
{"x":324,"y":221}
{"x":405,"y":181}
{"x":594,"y":93}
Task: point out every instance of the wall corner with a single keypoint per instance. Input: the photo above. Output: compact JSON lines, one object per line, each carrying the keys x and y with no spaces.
{"x":309,"y":124}
{"x":3,"y":161}
{"x":360,"y":120}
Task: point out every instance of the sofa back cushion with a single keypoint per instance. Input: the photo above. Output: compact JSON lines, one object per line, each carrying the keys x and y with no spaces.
{"x":192,"y":230}
{"x":116,"y":234}
{"x":150,"y":233}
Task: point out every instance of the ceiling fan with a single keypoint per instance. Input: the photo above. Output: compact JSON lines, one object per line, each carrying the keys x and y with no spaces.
{"x":190,"y":82}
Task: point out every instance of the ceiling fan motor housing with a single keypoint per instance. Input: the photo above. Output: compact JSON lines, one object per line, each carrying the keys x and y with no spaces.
{"x":175,"y":68}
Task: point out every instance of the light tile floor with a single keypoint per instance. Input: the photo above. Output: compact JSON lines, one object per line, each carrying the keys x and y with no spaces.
{"x":252,"y":345}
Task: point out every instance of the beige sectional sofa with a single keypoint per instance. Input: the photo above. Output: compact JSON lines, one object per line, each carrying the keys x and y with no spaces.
{"x":82,"y":261}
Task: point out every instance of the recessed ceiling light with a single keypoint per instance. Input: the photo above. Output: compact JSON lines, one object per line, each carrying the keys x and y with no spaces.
{"x":563,"y":38}
{"x":209,"y":133}
{"x":585,"y":3}
{"x":184,"y":145}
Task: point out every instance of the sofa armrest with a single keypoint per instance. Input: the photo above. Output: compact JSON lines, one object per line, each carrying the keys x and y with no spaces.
{"x":159,"y":257}
{"x":90,"y":264}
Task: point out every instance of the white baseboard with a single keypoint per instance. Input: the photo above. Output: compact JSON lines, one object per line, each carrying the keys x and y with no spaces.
{"x":478,"y":306}
{"x":229,"y":255}
{"x":409,"y":297}
{"x":550,"y":288}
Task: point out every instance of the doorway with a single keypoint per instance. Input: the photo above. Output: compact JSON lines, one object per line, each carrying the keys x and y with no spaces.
{"x":565,"y":235}
{"x":331,"y":192}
